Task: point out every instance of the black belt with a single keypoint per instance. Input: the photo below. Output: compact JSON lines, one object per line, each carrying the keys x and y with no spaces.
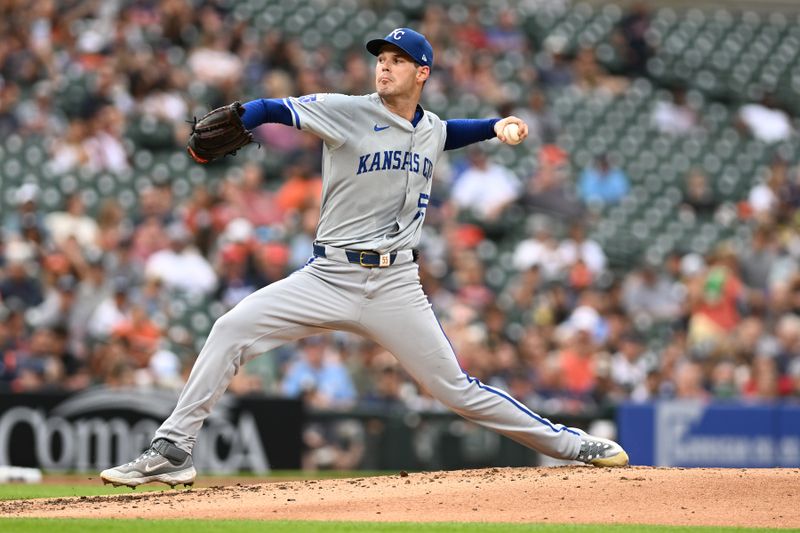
{"x":364,"y":258}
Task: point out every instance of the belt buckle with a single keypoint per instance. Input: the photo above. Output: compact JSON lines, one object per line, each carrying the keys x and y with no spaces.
{"x":384,"y":260}
{"x":361,"y":260}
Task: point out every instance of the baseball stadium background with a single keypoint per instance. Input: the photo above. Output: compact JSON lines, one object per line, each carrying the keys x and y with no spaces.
{"x":632,"y":268}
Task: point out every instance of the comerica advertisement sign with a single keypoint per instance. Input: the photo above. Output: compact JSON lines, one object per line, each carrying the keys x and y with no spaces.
{"x":692,"y":434}
{"x":100,"y":427}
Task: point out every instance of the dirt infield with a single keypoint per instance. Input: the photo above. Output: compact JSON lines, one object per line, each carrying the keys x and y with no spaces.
{"x":573,"y":494}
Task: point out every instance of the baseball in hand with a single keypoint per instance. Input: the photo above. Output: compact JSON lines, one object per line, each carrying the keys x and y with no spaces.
{"x":511,"y":133}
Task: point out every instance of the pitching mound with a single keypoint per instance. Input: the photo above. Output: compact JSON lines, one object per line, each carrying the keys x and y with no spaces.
{"x":574,"y":494}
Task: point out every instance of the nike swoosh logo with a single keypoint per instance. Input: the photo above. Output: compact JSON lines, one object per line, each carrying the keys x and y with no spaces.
{"x":150,"y":468}
{"x":381,"y":128}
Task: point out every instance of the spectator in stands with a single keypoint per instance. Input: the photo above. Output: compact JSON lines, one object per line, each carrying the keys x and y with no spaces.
{"x":577,"y":359}
{"x":547,"y":191}
{"x":213,"y":62}
{"x":123,"y":264}
{"x":628,"y":366}
{"x":577,"y":247}
{"x":319,"y":376}
{"x":39,"y":116}
{"x":698,"y":195}
{"x":543,"y":123}
{"x":787,"y":334}
{"x":541,"y":250}
{"x":506,"y":36}
{"x":675,"y":116}
{"x":19,"y":289}
{"x":555,"y":69}
{"x":766,"y":381}
{"x":8,"y":351}
{"x":111,"y":364}
{"x":602,"y":184}
{"x":69,"y":152}
{"x":765,"y":120}
{"x":688,"y":381}
{"x":66,"y":370}
{"x":149,"y":237}
{"x":790,"y":194}
{"x":72,"y":222}
{"x":303,"y":236}
{"x":37,"y":368}
{"x":649,"y":295}
{"x":180,"y":266}
{"x":110,"y":229}
{"x":723,"y":383}
{"x":250,"y":199}
{"x":28,"y":213}
{"x":163,"y":101}
{"x":751,"y":337}
{"x":9,"y":98}
{"x":470,"y":32}
{"x":485,"y":189}
{"x":763,"y":199}
{"x":57,"y":306}
{"x":633,"y":30}
{"x":112,"y":311}
{"x":357,"y":75}
{"x":386,"y":392}
{"x":103,"y":145}
{"x":299,"y":190}
{"x":482,"y":81}
{"x":469,"y":281}
{"x":756,"y":262}
{"x":715,"y":299}
{"x":794,"y":376}
{"x":238,"y":276}
{"x":591,"y":77}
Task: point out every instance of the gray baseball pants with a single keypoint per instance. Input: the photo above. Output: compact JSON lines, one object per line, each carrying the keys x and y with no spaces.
{"x":386,"y":305}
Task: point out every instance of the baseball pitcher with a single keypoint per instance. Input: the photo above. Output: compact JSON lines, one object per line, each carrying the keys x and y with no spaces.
{"x":378,"y":159}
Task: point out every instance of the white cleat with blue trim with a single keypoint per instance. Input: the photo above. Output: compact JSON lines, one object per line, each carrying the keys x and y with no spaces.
{"x":598,"y":451}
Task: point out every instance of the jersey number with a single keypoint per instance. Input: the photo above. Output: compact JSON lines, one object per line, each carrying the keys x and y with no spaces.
{"x":422,"y":204}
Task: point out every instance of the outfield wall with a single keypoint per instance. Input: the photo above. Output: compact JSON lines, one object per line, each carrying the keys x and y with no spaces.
{"x":694,"y":434}
{"x":100,"y":427}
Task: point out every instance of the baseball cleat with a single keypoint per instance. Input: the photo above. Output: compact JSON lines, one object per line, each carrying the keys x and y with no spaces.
{"x":601,"y":452}
{"x":163,"y":462}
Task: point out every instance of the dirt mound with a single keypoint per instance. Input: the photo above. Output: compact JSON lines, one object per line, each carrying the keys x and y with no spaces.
{"x":573,"y":494}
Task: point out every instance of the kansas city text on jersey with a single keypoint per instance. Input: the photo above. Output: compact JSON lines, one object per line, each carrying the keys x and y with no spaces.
{"x":394,"y":160}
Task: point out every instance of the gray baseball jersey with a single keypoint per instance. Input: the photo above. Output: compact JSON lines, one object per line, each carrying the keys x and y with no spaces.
{"x":377,"y":171}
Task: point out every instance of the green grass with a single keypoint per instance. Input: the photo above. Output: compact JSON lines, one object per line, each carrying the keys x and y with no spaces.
{"x":30,"y":525}
{"x":15,"y":491}
{"x":24,"y":492}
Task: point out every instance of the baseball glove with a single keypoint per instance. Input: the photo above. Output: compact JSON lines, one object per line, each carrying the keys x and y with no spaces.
{"x":220,"y":132}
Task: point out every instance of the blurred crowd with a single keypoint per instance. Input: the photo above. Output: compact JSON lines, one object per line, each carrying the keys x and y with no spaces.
{"x":93,"y":296}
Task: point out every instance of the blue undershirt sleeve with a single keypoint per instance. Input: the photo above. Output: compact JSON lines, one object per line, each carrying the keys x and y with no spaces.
{"x":263,"y":110}
{"x":464,"y":131}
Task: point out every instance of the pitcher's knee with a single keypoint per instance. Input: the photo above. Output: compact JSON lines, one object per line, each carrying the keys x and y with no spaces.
{"x":453,"y":393}
{"x":233,"y":323}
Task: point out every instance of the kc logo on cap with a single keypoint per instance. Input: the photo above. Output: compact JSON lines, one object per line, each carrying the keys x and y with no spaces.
{"x":413,"y":43}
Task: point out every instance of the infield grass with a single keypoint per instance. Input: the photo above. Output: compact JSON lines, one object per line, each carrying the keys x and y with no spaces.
{"x":90,"y":484}
{"x":38,"y":525}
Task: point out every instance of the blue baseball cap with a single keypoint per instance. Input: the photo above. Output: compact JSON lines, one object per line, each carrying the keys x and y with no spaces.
{"x":413,"y":43}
